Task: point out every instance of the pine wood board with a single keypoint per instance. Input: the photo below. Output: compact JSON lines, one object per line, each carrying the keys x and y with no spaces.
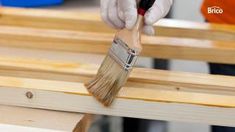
{"x":90,"y":42}
{"x":91,"y":22}
{"x":140,"y":77}
{"x":147,"y":103}
{"x":42,"y":120}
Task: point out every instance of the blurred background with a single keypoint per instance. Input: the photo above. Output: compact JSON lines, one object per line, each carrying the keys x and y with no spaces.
{"x":182,"y":9}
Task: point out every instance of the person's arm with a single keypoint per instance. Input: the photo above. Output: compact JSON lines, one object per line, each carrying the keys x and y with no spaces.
{"x":123,"y":13}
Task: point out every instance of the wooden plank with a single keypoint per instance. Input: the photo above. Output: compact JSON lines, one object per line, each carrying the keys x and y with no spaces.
{"x":16,"y":128}
{"x":42,"y":18}
{"x":142,"y":102}
{"x":91,"y":22}
{"x":87,"y":42}
{"x":140,"y":77}
{"x":38,"y":119}
{"x":189,"y":29}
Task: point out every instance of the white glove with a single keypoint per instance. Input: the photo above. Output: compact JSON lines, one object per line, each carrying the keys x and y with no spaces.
{"x":123,"y":13}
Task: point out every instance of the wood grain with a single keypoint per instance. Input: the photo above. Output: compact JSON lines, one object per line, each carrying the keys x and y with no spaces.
{"x":88,"y":42}
{"x":142,"y":102}
{"x":91,"y":22}
{"x":140,"y":77}
{"x":35,"y":118}
{"x":148,"y":94}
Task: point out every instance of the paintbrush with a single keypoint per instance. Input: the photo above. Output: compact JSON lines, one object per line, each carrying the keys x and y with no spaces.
{"x":117,"y":65}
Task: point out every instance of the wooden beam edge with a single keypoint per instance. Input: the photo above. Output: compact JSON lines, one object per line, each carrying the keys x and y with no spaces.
{"x":73,"y":97}
{"x":39,"y":118}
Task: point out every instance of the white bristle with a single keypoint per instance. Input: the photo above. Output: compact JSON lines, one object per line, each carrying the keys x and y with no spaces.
{"x":108,"y":81}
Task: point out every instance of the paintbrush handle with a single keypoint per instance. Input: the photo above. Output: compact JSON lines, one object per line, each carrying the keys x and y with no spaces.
{"x":144,"y":5}
{"x":132,"y":37}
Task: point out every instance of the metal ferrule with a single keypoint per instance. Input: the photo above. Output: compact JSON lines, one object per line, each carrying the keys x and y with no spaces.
{"x":122,"y":54}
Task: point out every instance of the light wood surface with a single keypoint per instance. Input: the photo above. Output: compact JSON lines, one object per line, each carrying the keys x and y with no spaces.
{"x":81,"y":21}
{"x":140,"y":77}
{"x":88,"y":42}
{"x":141,"y":102}
{"x":149,"y":94}
{"x":43,"y":120}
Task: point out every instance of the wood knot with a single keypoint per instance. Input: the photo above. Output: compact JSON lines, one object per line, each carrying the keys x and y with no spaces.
{"x":177,"y":88}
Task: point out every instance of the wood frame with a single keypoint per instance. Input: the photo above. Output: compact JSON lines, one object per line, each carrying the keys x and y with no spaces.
{"x":161,"y":95}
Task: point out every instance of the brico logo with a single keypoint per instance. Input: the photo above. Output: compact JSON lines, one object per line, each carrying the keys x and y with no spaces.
{"x":214,"y":10}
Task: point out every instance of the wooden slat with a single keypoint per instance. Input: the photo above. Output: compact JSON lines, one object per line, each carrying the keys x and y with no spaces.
{"x":92,"y":22}
{"x":188,"y":29}
{"x":159,"y":47}
{"x":140,"y":77}
{"x":142,"y":102}
{"x":44,"y":120}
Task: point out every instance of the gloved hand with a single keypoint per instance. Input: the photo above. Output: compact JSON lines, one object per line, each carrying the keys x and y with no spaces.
{"x":123,"y":13}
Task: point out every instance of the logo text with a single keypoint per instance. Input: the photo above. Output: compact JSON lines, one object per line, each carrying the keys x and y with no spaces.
{"x":214,"y":10}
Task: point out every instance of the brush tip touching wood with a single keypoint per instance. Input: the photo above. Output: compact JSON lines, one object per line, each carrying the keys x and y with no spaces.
{"x":108,"y":81}
{"x":117,"y":65}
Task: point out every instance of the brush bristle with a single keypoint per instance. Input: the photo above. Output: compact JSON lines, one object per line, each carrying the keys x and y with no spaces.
{"x":108,"y":81}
